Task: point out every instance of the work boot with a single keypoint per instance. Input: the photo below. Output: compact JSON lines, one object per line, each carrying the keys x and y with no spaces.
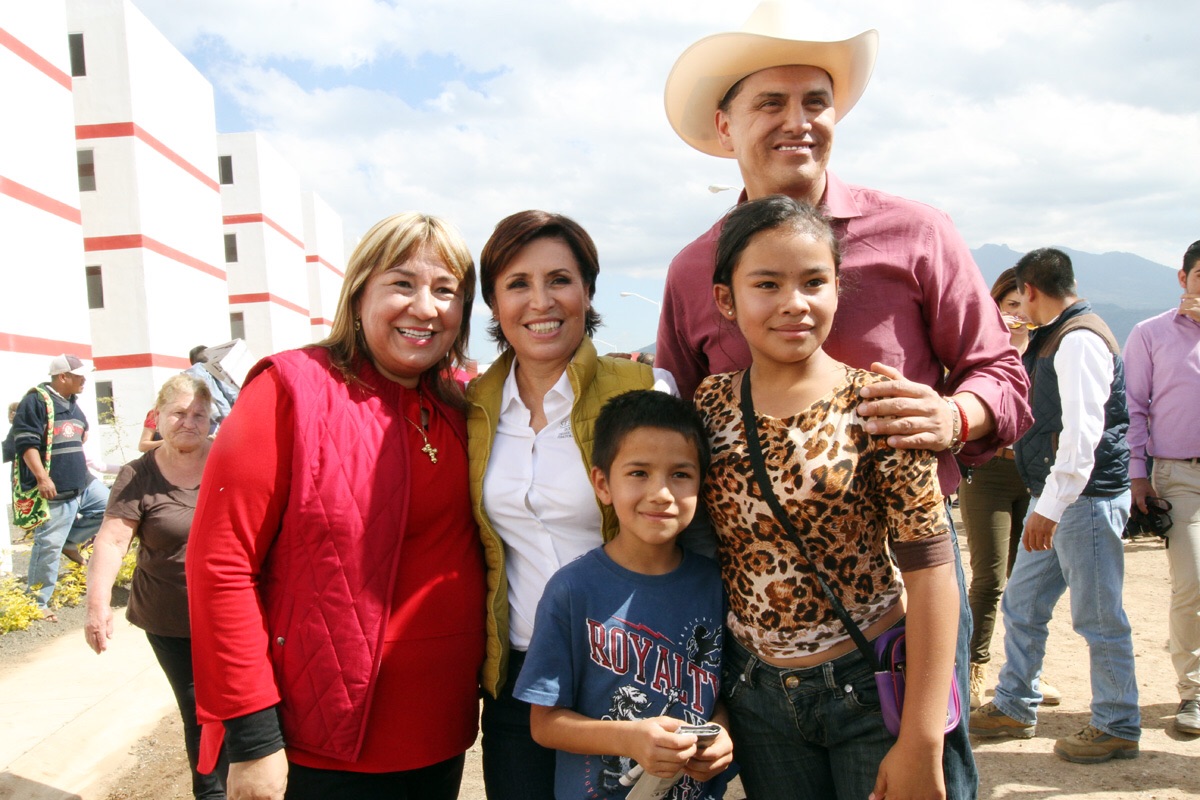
{"x":989,"y":722}
{"x":1187,"y":718}
{"x":1092,"y":746}
{"x":1050,"y":695}
{"x":978,"y":683}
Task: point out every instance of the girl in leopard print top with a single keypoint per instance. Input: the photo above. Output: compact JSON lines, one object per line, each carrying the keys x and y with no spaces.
{"x":804,"y":708}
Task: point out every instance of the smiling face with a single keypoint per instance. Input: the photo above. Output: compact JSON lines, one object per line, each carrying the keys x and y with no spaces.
{"x":410,"y":314}
{"x":652,"y":485}
{"x":779,"y":127}
{"x":540,"y":302}
{"x":183,"y":422}
{"x":783,"y":296}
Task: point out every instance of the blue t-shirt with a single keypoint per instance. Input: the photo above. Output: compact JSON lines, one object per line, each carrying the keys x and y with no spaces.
{"x":618,"y":645}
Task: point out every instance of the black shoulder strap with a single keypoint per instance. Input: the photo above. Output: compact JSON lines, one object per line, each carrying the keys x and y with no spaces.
{"x":768,"y":493}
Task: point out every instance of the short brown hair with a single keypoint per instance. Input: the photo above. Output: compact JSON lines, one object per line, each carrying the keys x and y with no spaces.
{"x":511,"y":236}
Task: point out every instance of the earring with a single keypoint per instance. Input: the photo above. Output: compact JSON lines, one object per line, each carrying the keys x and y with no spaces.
{"x":358,"y":323}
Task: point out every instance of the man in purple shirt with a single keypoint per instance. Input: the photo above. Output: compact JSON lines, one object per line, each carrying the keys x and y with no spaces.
{"x":913,"y":304}
{"x":1162,"y":383}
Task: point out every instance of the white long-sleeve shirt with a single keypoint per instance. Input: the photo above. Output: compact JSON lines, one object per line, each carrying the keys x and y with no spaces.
{"x":1085,"y":373}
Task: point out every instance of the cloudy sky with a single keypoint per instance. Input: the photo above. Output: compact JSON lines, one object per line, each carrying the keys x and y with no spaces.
{"x":1031,"y":123}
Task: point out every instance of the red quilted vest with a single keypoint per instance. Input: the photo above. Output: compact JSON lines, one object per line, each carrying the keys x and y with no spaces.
{"x":328,"y":581}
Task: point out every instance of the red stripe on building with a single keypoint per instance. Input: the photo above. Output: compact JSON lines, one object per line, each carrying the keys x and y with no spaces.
{"x":322,"y":321}
{"x":245,"y":219}
{"x":42,"y":202}
{"x":36,"y":346}
{"x":134,"y":241}
{"x":28,"y":55}
{"x":139,"y":360}
{"x":319,"y":260}
{"x":116,"y":130}
{"x":266,"y":297}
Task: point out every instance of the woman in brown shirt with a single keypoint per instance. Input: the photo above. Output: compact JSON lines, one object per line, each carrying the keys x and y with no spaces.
{"x":154,"y":499}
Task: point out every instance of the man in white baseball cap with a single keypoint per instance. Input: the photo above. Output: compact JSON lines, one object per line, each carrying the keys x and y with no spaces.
{"x":913,"y":303}
{"x":76,"y":499}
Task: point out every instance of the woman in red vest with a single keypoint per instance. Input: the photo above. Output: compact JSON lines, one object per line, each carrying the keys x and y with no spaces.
{"x":335,"y":571}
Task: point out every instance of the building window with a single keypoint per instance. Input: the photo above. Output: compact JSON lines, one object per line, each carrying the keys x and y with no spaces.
{"x":225,"y":168}
{"x":87,"y":170}
{"x":105,"y":406}
{"x":237,"y":325}
{"x":95,"y":287}
{"x":230,"y":248}
{"x":75,"y":44}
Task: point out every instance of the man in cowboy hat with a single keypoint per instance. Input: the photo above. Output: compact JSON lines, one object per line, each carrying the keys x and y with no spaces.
{"x":913,"y":303}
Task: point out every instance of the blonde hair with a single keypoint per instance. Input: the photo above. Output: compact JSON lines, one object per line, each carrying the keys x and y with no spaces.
{"x":392,"y":241}
{"x":182,"y":384}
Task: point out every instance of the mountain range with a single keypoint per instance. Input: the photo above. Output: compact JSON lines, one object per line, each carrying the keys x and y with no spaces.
{"x":1123,"y":288}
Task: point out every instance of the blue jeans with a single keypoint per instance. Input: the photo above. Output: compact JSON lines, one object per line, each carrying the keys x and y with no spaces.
{"x":812,"y":733}
{"x":1088,"y":557}
{"x":515,"y":767}
{"x":71,"y":521}
{"x":958,"y":761}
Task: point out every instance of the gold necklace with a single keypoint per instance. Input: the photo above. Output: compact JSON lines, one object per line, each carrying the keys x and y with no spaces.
{"x":428,"y":449}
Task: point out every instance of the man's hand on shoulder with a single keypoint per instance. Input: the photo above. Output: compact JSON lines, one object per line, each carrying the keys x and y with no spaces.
{"x":912,"y":415}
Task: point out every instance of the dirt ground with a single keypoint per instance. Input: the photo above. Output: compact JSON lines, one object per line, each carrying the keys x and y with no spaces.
{"x":1168,"y":769}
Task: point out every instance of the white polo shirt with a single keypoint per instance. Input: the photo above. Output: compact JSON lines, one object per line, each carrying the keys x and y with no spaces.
{"x":539,"y":496}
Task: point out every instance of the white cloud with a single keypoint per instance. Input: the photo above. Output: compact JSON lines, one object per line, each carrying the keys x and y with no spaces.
{"x":1030,"y":122}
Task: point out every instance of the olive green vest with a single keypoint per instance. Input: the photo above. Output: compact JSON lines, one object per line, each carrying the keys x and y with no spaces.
{"x":594,"y":379}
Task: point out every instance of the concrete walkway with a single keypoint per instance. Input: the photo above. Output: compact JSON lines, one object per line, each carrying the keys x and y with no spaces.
{"x":70,"y":718}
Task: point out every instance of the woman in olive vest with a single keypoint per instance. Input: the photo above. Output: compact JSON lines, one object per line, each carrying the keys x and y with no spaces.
{"x":529,"y":428}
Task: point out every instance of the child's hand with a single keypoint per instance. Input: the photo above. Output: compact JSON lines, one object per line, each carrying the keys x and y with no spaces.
{"x":908,"y":774}
{"x":711,"y":761}
{"x":655,"y":746}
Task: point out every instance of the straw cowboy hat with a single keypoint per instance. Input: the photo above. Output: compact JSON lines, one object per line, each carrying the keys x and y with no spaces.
{"x":711,"y":66}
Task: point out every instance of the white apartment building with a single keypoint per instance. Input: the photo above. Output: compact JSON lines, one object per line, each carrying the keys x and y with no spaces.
{"x":264,"y":251}
{"x":325,"y":252}
{"x":124,"y":238}
{"x":145,"y":136}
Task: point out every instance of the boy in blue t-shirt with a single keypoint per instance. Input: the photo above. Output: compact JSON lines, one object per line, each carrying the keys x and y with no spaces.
{"x":627,"y":639}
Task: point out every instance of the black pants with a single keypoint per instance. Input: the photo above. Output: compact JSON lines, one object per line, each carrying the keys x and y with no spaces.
{"x":435,"y":782}
{"x":174,"y":655}
{"x":515,"y":767}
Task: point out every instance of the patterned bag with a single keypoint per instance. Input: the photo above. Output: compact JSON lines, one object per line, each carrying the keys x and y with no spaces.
{"x":29,"y":508}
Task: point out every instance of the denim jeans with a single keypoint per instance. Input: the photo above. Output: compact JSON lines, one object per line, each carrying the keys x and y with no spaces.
{"x":71,"y":521}
{"x":515,"y":767}
{"x":811,"y":733}
{"x":1088,"y":557}
{"x":174,"y":654}
{"x":958,"y":760}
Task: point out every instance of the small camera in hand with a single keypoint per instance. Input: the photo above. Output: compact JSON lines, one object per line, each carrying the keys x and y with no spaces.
{"x":1154,"y":521}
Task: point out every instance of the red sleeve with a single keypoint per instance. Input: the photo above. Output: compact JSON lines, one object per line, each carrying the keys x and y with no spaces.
{"x":242,"y":496}
{"x":151,"y":419}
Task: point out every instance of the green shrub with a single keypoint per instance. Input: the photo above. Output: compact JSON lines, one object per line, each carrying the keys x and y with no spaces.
{"x":18,"y":610}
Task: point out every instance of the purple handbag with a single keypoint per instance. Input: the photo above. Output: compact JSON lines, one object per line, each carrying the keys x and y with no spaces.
{"x":889,"y":679}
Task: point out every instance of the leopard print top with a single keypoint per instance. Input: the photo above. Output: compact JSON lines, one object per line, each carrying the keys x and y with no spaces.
{"x":848,"y":494}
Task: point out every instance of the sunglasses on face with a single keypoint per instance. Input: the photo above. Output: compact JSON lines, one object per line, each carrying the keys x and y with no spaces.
{"x":1016,"y":324}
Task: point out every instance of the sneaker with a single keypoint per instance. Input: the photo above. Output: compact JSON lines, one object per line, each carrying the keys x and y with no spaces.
{"x":989,"y":722}
{"x":1187,"y":718}
{"x":1092,"y":746}
{"x":978,"y":682}
{"x":1050,"y":695}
